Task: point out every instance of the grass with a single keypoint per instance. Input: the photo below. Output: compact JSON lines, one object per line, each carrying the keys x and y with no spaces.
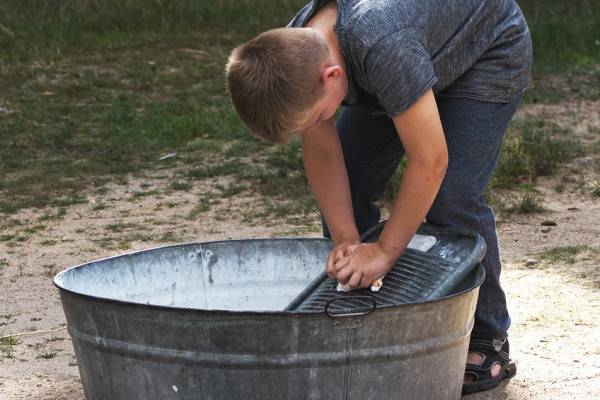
{"x":596,"y":189}
{"x":7,"y":346}
{"x":99,"y":205}
{"x":180,"y":186}
{"x":97,"y":90}
{"x":49,"y":215}
{"x":169,"y":237}
{"x":122,"y":242}
{"x":526,"y":202}
{"x":565,"y":35}
{"x":532,"y":148}
{"x":50,"y":270}
{"x":47,"y":355}
{"x":104,"y":88}
{"x":566,"y":45}
{"x":568,"y":254}
{"x":120,"y":227}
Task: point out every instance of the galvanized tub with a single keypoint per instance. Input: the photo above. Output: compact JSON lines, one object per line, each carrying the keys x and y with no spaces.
{"x":205,"y":321}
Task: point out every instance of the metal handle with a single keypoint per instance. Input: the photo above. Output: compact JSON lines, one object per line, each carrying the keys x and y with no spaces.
{"x":354,"y":313}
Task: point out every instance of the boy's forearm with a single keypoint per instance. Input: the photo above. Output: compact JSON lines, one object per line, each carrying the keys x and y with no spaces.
{"x":422,"y":136}
{"x":417,"y":192}
{"x":326,"y":172}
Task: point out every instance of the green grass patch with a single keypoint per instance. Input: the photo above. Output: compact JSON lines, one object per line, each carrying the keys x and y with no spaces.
{"x":569,"y":254}
{"x":99,"y":205}
{"x":122,"y":242}
{"x":100,"y":89}
{"x":204,"y":204}
{"x":7,"y":237}
{"x":138,"y":195}
{"x":7,"y":346}
{"x":120,"y":227}
{"x":564,"y":34}
{"x":184,"y":186}
{"x":596,"y":189}
{"x":51,"y":216}
{"x":532,"y":148}
{"x":169,"y":237}
{"x":47,"y":355}
{"x":391,"y":190}
{"x":527,"y":202}
{"x":34,"y":229}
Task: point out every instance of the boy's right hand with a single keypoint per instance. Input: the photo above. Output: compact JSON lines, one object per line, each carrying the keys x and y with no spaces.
{"x":341,"y":250}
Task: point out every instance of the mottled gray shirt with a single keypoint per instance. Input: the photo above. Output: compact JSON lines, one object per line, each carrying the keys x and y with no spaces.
{"x":396,"y":50}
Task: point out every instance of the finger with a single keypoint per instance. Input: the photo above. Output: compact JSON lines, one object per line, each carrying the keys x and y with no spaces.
{"x":355,"y":280}
{"x":339,"y":254}
{"x":365,"y":282}
{"x":330,"y":268}
{"x":342,"y":263}
{"x":350,"y":249}
{"x":344,"y":275}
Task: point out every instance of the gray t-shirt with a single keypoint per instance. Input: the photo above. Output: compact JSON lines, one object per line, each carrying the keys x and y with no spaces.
{"x":396,"y":50}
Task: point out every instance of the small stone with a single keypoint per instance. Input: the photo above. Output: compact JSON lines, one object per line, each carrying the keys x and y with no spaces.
{"x":530,"y":262}
{"x":548,"y":223}
{"x":546,"y":229}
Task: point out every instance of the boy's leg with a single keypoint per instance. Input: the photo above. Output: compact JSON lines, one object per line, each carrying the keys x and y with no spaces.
{"x":372,"y":151}
{"x":474,"y":131}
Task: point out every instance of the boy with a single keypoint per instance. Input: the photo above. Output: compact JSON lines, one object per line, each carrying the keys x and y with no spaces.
{"x":435,"y":80}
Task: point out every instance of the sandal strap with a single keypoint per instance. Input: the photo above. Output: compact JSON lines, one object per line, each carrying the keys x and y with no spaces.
{"x":494,"y":345}
{"x":492,"y":350}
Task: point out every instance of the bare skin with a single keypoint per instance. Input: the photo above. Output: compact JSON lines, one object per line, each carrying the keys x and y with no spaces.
{"x":420,"y":131}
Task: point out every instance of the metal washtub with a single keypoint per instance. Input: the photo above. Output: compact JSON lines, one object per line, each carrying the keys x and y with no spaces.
{"x":213,"y":321}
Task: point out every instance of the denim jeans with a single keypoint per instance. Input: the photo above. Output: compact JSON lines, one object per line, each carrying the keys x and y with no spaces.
{"x":474,"y":131}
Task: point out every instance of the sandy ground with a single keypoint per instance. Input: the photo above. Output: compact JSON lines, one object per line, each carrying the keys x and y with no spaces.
{"x":555,"y":305}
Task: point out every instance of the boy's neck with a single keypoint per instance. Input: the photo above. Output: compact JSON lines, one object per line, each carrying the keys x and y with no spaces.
{"x":323,"y":22}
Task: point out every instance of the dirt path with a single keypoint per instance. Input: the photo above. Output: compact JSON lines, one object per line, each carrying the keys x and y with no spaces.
{"x":554,"y":300}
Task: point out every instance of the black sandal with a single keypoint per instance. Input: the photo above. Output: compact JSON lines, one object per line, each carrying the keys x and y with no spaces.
{"x":493,"y":351}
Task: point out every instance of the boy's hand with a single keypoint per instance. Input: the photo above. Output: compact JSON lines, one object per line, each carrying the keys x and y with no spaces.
{"x":343,"y":249}
{"x":364,"y":264}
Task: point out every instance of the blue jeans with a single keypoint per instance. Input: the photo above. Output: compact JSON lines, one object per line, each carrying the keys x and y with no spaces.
{"x":474,"y":131}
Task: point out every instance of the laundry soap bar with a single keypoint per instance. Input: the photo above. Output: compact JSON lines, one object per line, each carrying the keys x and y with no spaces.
{"x":418,"y":242}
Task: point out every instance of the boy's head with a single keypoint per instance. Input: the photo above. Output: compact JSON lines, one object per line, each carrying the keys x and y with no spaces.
{"x":276,"y":79}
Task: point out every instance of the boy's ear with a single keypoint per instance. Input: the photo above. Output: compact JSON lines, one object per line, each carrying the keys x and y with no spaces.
{"x":331,"y":71}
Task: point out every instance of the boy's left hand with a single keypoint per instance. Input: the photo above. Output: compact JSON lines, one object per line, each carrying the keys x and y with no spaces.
{"x":362,"y":266}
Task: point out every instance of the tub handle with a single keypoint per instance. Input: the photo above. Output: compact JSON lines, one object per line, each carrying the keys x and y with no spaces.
{"x":357,"y":313}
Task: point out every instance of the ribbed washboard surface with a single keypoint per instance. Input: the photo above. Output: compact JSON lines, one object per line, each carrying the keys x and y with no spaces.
{"x":416,"y":276}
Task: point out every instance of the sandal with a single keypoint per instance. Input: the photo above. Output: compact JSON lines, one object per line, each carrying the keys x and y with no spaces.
{"x":492,"y":351}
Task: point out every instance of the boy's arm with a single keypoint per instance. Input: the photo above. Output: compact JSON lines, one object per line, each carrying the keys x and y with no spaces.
{"x":422,"y":136}
{"x":326,"y":173}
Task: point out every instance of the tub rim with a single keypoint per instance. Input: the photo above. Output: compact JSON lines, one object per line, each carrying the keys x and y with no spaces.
{"x":289,"y":313}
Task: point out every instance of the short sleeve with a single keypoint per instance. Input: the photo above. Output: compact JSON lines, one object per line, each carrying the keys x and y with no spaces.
{"x":399,"y":70}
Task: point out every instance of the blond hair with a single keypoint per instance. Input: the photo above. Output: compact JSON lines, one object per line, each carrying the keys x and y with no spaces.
{"x":273,"y":81}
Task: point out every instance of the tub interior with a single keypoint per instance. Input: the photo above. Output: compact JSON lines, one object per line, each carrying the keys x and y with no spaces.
{"x":244,"y":275}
